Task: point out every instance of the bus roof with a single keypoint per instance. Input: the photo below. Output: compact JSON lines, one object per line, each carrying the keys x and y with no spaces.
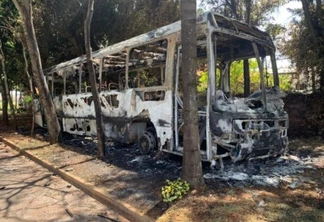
{"x":218,"y":22}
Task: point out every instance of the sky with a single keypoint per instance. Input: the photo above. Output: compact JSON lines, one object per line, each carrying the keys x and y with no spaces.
{"x":283,"y":16}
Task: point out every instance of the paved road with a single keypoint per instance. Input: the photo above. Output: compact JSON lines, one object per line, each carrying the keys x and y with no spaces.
{"x":29,"y":192}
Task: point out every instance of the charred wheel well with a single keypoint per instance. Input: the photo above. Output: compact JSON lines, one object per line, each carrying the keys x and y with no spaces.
{"x":148,"y":140}
{"x":144,"y":125}
{"x":150,"y":127}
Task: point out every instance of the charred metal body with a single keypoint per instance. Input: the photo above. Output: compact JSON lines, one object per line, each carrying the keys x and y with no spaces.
{"x":139,"y":81}
{"x":247,"y":131}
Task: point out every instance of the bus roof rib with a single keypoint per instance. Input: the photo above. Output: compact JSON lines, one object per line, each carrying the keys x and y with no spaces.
{"x":238,"y":29}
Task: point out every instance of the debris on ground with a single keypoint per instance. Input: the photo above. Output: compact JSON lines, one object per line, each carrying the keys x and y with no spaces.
{"x":293,"y":176}
{"x":269,"y":172}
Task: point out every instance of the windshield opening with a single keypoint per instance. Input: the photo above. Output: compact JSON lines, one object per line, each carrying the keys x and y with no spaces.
{"x":242,"y":67}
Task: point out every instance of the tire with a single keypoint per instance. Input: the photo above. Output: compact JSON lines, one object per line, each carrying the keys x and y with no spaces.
{"x":147,"y":142}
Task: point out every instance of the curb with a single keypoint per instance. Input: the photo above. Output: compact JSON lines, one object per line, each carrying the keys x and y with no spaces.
{"x":123,"y":209}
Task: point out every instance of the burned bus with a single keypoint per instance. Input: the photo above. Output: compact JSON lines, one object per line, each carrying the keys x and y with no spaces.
{"x":140,"y":88}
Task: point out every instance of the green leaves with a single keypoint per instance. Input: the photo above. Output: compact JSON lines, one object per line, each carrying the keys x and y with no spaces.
{"x":174,"y":190}
{"x":237,"y":78}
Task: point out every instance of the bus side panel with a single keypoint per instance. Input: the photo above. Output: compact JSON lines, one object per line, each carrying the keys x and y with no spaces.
{"x":160,"y":114}
{"x":124,"y":114}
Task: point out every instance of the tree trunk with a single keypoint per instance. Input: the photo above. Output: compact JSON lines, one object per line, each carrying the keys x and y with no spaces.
{"x":5,"y":118}
{"x":191,"y":165}
{"x":246,"y":73}
{"x":309,"y":21}
{"x":246,"y":66}
{"x":319,"y":12}
{"x":234,"y":9}
{"x":92,"y":78}
{"x":25,"y":11}
{"x":248,"y":11}
{"x":30,"y":81}
{"x":6,"y":87}
{"x":316,"y":36}
{"x":320,"y":16}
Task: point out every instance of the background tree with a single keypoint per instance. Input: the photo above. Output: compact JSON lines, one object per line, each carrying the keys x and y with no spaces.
{"x":10,"y":65}
{"x":6,"y":86}
{"x":5,"y":117}
{"x":60,"y":22}
{"x":191,"y":165}
{"x":304,"y":44}
{"x":25,"y":10}
{"x":92,"y":78}
{"x":253,"y":12}
{"x":12,"y":33}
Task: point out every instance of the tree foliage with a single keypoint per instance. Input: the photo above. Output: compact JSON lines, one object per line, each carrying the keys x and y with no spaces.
{"x":304,"y":44}
{"x":60,"y":27}
{"x":237,"y":78}
{"x":254,"y":12}
{"x":10,"y":62}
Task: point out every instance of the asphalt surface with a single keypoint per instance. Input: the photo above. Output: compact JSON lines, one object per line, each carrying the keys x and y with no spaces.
{"x":29,"y":192}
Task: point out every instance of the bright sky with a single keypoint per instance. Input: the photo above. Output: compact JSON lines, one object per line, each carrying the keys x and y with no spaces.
{"x":283,"y":16}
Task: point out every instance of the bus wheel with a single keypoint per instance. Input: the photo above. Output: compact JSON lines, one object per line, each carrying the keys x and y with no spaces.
{"x":147,"y":142}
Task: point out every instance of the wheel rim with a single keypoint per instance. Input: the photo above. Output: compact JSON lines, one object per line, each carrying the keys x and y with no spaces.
{"x":146,"y":142}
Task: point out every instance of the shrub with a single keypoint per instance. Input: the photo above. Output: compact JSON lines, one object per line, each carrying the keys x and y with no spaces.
{"x":174,"y":190}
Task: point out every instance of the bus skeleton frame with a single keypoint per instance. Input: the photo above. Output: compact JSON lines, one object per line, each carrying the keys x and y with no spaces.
{"x":253,"y":127}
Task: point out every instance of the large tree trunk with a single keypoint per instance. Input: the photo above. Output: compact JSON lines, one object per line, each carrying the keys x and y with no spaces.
{"x":25,"y":11}
{"x":191,"y":165}
{"x":6,"y":87}
{"x":92,"y":78}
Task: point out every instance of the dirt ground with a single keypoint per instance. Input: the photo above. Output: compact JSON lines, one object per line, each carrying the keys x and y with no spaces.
{"x":289,"y":188}
{"x":29,"y":192}
{"x":227,"y":202}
